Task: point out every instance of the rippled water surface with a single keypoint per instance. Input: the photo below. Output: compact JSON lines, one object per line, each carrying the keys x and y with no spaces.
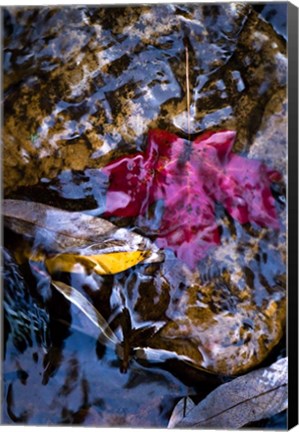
{"x":82,"y":86}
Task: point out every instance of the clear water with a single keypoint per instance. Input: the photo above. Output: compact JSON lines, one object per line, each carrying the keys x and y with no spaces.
{"x":82,"y":86}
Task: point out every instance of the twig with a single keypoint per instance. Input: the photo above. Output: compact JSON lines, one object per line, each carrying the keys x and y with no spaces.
{"x":188,"y":89}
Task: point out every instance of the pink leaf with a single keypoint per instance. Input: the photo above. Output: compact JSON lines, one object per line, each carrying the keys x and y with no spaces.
{"x":129,"y":183}
{"x":188,"y":178}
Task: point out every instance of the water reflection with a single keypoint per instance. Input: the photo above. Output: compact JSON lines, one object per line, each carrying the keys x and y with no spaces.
{"x":68,"y":381}
{"x":83,"y":85}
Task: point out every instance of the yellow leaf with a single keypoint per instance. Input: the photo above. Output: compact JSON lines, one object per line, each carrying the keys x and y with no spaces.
{"x":102,"y":264}
{"x":75,"y":242}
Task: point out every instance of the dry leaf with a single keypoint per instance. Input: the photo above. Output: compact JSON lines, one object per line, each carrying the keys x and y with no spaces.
{"x":74,"y":241}
{"x":181,"y":410}
{"x":251,"y":397}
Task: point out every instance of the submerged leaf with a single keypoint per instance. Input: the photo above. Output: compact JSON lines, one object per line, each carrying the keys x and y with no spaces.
{"x":74,"y":241}
{"x":251,"y":397}
{"x":107,"y":263}
{"x":88,"y":309}
{"x":187,"y":178}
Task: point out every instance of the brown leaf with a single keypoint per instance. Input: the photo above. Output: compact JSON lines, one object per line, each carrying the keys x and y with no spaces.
{"x":251,"y":397}
{"x":70,"y":238}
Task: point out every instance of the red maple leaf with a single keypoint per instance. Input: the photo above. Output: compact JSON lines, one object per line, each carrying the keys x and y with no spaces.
{"x":188,"y":178}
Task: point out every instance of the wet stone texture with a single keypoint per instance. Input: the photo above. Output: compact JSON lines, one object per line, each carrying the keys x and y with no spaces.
{"x":83,"y":85}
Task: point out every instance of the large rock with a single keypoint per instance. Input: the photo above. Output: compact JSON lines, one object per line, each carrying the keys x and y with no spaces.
{"x":82,"y":85}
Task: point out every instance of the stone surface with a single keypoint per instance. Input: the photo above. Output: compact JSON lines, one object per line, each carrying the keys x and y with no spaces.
{"x":75,"y":98}
{"x":84,"y":85}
